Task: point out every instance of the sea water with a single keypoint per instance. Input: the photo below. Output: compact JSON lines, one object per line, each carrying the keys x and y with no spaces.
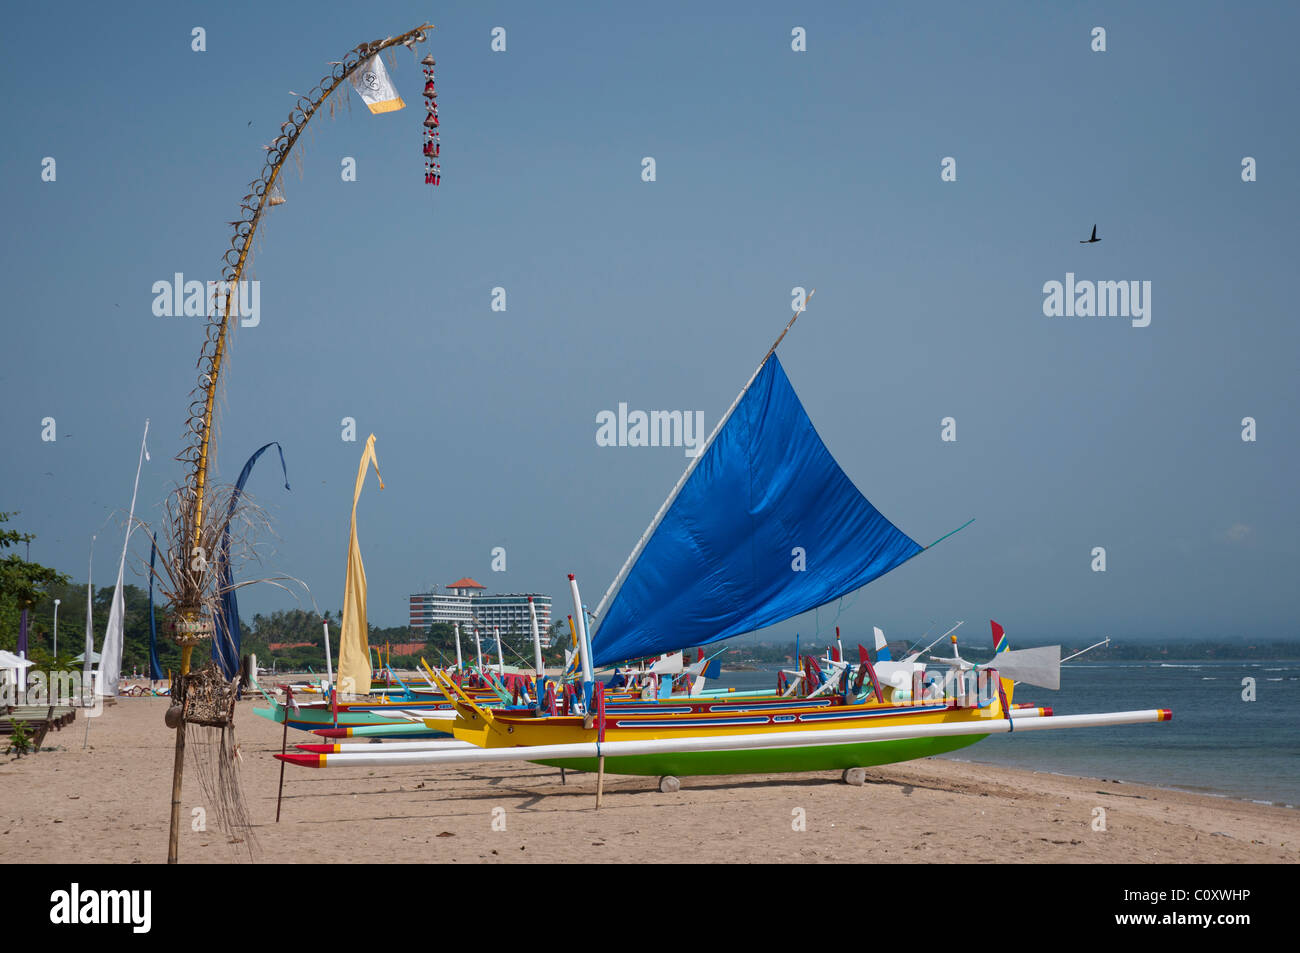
{"x":1218,"y":742}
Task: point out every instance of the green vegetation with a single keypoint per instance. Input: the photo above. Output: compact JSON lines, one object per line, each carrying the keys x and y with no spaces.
{"x":72,"y":627}
{"x":20,"y":742}
{"x":288,"y":629}
{"x":22,"y":584}
{"x":296,"y":633}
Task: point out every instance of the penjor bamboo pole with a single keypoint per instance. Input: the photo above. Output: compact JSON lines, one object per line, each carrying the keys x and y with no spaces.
{"x":243,"y":245}
{"x":199,"y":475}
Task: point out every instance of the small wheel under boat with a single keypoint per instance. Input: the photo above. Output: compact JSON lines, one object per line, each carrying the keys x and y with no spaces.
{"x":854,"y":776}
{"x":669,"y":784}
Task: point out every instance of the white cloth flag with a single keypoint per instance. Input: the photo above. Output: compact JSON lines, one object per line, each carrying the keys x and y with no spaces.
{"x":110,"y":662}
{"x":1038,"y":666}
{"x":375,"y":88}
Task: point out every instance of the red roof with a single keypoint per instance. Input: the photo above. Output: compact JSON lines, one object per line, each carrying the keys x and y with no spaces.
{"x":466,"y":583}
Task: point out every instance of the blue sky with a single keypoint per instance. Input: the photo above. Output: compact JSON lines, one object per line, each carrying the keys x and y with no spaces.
{"x":775,"y":169}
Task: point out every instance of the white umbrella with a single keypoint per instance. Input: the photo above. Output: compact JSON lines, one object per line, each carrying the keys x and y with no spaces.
{"x":9,"y":660}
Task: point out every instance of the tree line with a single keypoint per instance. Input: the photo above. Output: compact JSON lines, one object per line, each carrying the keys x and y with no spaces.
{"x":31,"y":586}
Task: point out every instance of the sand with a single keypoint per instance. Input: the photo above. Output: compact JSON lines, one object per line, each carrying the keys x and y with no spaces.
{"x":109,"y":802}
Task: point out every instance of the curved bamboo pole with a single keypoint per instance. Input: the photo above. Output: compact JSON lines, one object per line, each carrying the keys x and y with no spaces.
{"x":200,"y":423}
{"x":253,"y":207}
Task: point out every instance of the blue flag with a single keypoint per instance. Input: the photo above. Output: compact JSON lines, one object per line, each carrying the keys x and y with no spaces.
{"x":226,"y":642}
{"x":155,"y":669}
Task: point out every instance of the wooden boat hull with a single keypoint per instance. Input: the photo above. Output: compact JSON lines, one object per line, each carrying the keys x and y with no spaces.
{"x":491,"y":729}
{"x":509,"y":729}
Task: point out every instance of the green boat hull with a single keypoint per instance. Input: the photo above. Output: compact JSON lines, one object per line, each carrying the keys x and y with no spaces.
{"x":773,"y":760}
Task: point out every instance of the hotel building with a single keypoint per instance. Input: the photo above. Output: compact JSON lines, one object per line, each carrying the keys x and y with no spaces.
{"x":468,"y":603}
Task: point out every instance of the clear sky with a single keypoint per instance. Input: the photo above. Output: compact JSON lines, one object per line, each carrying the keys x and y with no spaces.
{"x":774,"y":169}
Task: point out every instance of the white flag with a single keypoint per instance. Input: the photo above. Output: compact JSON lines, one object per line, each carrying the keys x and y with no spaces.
{"x":110,"y":662}
{"x":375,"y":88}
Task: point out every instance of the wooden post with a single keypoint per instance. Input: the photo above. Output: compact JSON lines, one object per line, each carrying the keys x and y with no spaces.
{"x":600,"y":737}
{"x":284,"y":744}
{"x":178,"y":764}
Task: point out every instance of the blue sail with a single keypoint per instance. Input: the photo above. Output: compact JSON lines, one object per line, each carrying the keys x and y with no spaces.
{"x":725,"y":557}
{"x":155,"y":667}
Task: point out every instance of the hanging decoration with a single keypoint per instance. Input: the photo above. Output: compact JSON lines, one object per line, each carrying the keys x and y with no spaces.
{"x":432,"y":147}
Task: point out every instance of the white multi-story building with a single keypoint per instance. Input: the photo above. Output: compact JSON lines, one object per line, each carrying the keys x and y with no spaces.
{"x":467,"y":602}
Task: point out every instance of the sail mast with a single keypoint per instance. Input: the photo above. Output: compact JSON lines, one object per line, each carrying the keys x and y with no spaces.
{"x":617,"y":584}
{"x":537,"y":642}
{"x":90,"y":620}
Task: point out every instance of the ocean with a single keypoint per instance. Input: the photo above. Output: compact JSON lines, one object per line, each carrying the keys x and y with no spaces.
{"x":1217,"y":743}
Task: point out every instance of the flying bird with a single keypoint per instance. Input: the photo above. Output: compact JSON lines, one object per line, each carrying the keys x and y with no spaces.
{"x":1094,"y":238}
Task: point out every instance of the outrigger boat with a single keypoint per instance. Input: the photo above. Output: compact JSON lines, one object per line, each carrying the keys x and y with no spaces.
{"x":762,"y":526}
{"x":973,"y":696}
{"x":389,"y":706}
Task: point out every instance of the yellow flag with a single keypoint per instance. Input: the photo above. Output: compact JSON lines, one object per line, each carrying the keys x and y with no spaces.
{"x":354,"y":647}
{"x":375,"y":88}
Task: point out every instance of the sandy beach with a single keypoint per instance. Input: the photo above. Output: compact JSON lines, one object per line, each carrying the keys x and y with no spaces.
{"x":108,"y":803}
